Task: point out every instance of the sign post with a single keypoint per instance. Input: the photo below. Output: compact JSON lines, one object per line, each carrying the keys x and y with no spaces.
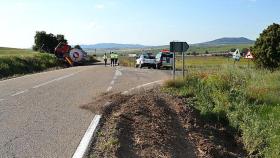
{"x":183,"y":67}
{"x":174,"y":65}
{"x":178,"y":47}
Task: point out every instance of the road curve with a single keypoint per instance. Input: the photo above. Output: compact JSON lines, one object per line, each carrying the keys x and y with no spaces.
{"x":40,"y":114}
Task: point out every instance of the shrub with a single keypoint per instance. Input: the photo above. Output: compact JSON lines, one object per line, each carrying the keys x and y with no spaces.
{"x":267,"y":48}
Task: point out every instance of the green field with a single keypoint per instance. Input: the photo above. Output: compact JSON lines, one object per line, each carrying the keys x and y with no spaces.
{"x":16,"y":52}
{"x":14,"y":62}
{"x":238,"y":95}
{"x":197,"y":62}
{"x":216,"y":49}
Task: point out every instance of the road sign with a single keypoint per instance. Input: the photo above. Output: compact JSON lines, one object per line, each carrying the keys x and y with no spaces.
{"x":249,"y":55}
{"x":179,"y":46}
{"x":76,"y":55}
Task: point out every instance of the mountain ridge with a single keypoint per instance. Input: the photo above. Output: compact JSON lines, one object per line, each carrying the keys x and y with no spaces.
{"x":216,"y":42}
{"x":112,"y":46}
{"x":228,"y":41}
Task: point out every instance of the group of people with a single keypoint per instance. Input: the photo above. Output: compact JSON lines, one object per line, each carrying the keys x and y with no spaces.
{"x":113,"y":58}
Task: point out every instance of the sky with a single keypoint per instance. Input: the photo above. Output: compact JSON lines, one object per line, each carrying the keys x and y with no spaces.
{"x":147,"y":22}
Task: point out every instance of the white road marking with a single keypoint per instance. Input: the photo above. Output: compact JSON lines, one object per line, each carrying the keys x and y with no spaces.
{"x":141,"y":86}
{"x":147,"y":84}
{"x":109,"y":88}
{"x":112,"y":82}
{"x":125,"y":92}
{"x":86,"y":140}
{"x":20,"y":92}
{"x":117,"y":74}
{"x":54,"y":80}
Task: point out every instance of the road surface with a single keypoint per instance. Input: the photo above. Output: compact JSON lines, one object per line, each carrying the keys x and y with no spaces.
{"x":40,"y":114}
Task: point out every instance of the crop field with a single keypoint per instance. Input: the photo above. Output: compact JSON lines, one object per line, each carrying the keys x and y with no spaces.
{"x":212,"y":49}
{"x":197,"y":62}
{"x":4,"y":52}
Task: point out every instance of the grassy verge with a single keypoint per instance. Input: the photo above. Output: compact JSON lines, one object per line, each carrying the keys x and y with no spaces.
{"x":127,"y":61}
{"x":239,"y":96}
{"x":20,"y":65}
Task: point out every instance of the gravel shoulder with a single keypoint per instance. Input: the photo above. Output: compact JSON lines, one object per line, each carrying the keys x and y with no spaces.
{"x":154,"y":124}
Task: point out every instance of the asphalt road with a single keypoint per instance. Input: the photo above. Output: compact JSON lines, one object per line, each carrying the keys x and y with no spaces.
{"x":40,"y":114}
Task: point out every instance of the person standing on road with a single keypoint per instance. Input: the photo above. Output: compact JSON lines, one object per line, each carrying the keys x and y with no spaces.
{"x":116,"y":59}
{"x":105,"y":59}
{"x":112,"y":58}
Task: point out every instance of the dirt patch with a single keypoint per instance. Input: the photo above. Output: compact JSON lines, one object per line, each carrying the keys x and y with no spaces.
{"x":104,"y":102}
{"x":153,"y":124}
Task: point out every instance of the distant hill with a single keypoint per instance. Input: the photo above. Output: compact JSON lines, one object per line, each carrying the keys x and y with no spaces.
{"x":112,"y":46}
{"x":217,"y":42}
{"x":228,"y":41}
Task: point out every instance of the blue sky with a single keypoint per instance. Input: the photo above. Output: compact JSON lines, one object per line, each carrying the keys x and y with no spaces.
{"x":148,"y":22}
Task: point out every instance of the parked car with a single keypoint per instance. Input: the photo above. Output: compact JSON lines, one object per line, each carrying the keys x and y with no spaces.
{"x":164,"y":59}
{"x":146,"y":60}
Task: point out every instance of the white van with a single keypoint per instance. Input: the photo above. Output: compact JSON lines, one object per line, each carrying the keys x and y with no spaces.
{"x":146,"y":60}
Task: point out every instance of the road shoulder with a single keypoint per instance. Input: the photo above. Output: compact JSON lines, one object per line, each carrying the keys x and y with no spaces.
{"x":152,"y":123}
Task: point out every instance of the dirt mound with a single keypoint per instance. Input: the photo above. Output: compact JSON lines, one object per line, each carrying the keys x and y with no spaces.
{"x":153,"y":124}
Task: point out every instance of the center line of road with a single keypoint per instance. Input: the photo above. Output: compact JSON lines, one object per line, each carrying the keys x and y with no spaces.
{"x":112,"y":82}
{"x":117,"y":74}
{"x":109,"y":88}
{"x":20,"y":92}
{"x":54,"y":80}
